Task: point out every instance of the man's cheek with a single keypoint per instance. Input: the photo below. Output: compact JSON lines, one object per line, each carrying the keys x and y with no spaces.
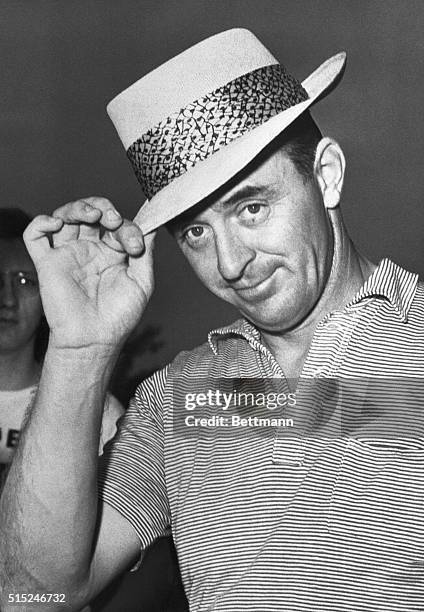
{"x":205,"y":269}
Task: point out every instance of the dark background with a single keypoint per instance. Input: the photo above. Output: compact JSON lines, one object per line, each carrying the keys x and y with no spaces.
{"x":62,"y":61}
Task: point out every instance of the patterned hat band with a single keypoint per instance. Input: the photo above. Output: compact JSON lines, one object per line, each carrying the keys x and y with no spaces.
{"x":203,"y":127}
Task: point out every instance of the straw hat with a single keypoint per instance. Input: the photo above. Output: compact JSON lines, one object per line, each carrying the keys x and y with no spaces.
{"x":193,"y":123}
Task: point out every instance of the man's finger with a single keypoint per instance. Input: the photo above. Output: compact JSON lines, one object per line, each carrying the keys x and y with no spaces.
{"x":140,"y":268}
{"x":89,"y":232}
{"x":36,"y":235}
{"x":77,"y":211}
{"x":149,"y":242}
{"x":67,"y":232}
{"x":128,"y":239}
{"x":131,"y":238}
{"x":90,"y":210}
{"x":110,"y":217}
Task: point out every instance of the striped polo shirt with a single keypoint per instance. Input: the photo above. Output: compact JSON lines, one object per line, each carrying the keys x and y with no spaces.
{"x":266,"y":521}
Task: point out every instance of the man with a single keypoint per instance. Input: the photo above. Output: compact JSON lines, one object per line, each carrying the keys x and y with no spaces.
{"x":261,"y":520}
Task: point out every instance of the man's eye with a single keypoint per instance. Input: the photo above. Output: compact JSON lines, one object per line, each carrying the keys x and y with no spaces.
{"x":253,"y":208}
{"x":254,"y":213}
{"x":195,"y":232}
{"x":194,"y":235}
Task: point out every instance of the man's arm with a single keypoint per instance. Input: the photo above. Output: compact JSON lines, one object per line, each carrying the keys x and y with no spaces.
{"x":54,"y":537}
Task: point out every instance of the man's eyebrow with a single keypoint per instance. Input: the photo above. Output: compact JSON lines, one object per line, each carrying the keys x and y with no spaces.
{"x":247,"y":191}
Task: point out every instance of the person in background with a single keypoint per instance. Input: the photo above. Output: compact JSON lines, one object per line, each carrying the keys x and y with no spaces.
{"x":24,"y":337}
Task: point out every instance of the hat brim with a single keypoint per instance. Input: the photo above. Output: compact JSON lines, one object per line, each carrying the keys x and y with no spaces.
{"x":212,"y":173}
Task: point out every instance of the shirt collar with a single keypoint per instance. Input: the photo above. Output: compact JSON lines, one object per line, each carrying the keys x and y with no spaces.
{"x":241,"y":327}
{"x":392,"y":282}
{"x":388,"y":280}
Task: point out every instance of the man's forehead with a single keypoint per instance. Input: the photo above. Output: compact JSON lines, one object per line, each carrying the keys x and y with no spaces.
{"x":244,"y":191}
{"x":265,"y":178}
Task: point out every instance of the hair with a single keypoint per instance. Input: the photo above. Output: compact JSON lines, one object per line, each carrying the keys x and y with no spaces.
{"x":300,"y":141}
{"x":13,"y":223}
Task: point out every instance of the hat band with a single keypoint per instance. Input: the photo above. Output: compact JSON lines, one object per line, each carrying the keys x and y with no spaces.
{"x":206,"y":125}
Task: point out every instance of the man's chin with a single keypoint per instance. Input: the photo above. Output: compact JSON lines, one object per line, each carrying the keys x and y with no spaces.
{"x":272,"y":320}
{"x":271,"y":324}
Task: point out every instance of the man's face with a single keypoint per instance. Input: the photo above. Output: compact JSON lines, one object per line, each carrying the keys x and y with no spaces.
{"x":20,"y":303}
{"x":265,"y":246}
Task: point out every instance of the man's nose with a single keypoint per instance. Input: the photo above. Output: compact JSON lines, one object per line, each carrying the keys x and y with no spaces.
{"x":8,"y":297}
{"x":233,"y":256}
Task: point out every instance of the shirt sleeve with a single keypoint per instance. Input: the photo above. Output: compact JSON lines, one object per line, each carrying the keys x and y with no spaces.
{"x":131,"y":473}
{"x":113,"y":410}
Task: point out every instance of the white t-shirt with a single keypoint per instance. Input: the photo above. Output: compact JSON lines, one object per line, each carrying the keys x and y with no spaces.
{"x":14,"y":406}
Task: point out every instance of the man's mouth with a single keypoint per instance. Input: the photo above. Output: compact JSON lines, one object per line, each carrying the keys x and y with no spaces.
{"x":257,"y":290}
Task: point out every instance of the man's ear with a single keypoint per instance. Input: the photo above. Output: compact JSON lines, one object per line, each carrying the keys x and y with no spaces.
{"x":329,"y":170}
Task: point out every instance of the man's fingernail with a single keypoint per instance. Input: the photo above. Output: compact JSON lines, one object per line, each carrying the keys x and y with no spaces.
{"x":135,"y":243}
{"x":113,"y":214}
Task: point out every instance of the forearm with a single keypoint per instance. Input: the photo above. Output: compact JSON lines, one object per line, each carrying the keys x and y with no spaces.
{"x":48,"y":507}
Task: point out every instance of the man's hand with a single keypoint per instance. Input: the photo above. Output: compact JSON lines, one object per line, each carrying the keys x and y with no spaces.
{"x":95,"y":272}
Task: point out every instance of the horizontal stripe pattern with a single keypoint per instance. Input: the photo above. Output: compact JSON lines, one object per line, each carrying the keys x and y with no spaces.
{"x":266,"y":523}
